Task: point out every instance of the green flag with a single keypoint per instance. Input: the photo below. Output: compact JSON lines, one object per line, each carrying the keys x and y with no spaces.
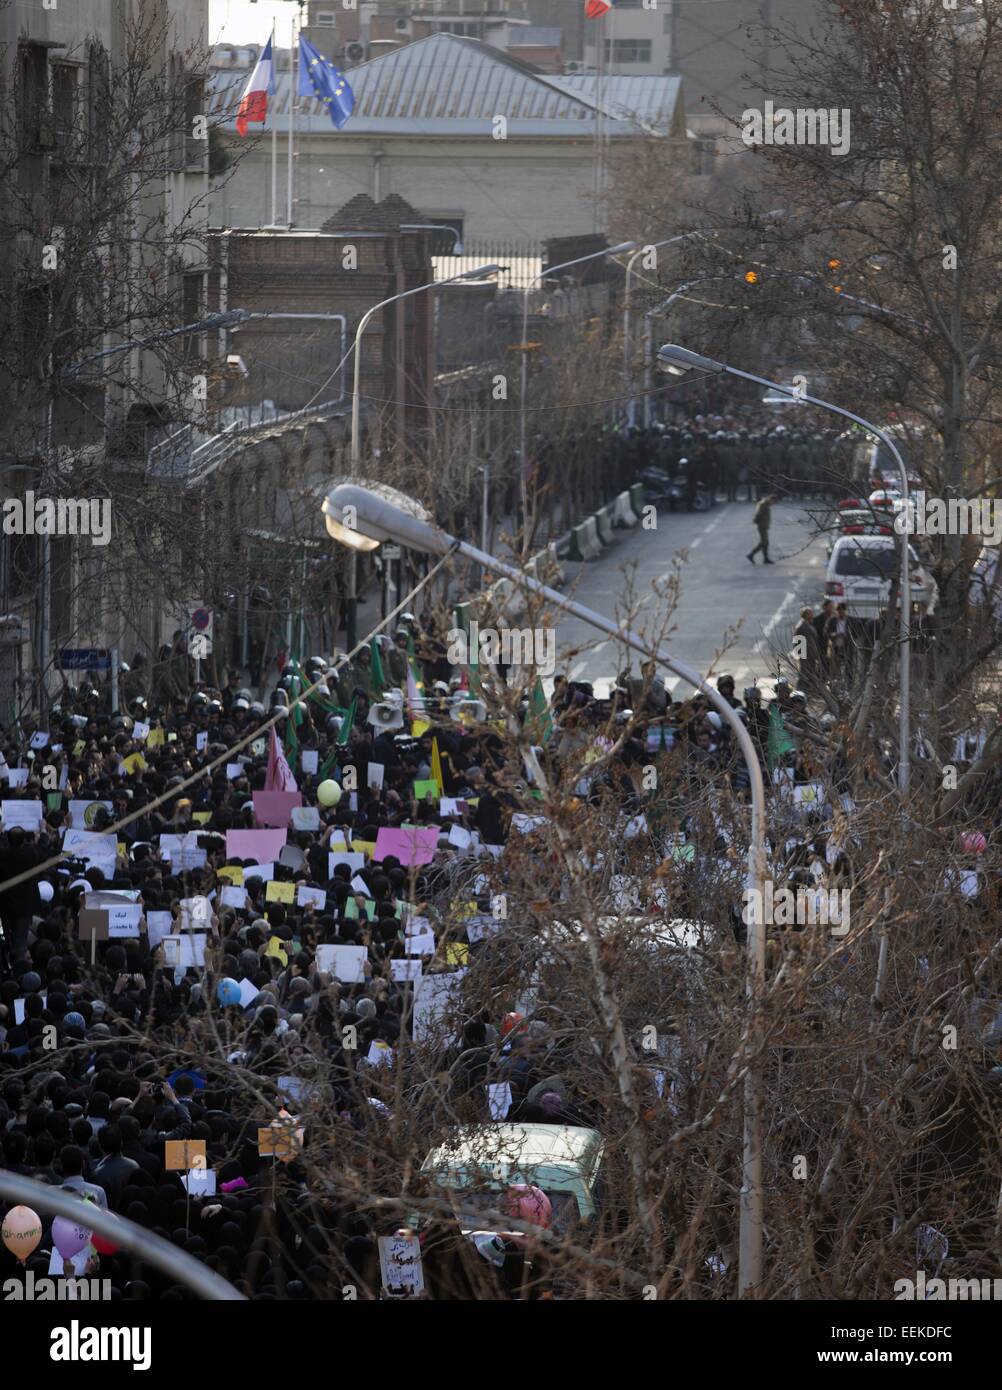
{"x":780,"y":743}
{"x":378,"y":677}
{"x":344,"y":732}
{"x":539,"y":716}
{"x":471,"y":667}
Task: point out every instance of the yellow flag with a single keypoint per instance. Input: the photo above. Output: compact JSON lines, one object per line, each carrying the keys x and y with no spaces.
{"x":418,"y":727}
{"x":436,"y":767}
{"x":135,"y":762}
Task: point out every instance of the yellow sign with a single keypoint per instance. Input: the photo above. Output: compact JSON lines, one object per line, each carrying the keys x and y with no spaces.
{"x":201,"y":817}
{"x":155,"y":738}
{"x":280,"y":892}
{"x":364,"y":847}
{"x":233,"y":873}
{"x":135,"y":762}
{"x":457,"y":953}
{"x":274,"y":948}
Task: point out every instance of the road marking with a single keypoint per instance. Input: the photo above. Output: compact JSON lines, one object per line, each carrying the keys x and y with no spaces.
{"x":774,"y":622}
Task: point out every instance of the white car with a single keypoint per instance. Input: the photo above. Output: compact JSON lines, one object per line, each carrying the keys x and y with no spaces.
{"x":860,"y":572}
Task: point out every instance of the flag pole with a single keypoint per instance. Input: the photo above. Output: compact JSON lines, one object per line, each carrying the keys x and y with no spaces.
{"x":274,"y":135}
{"x":293,"y":60}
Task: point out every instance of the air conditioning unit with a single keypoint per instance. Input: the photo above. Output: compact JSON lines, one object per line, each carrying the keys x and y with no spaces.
{"x":354,"y":52}
{"x":402,"y":25}
{"x":572,"y":67}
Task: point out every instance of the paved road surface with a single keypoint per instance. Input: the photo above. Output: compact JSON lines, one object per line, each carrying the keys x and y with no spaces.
{"x":719,"y":588}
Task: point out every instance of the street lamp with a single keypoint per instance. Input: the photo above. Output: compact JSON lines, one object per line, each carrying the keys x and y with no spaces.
{"x":362,"y":520}
{"x":356,"y":442}
{"x":543,"y":274}
{"x":679,"y":361}
{"x":457,"y":244}
{"x":628,"y":302}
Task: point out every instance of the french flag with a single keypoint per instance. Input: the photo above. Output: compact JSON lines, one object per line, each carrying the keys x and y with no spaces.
{"x":595,"y":9}
{"x":254,"y":102}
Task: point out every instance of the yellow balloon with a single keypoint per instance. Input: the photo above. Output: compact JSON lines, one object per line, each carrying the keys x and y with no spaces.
{"x":328,"y":793}
{"x":22,"y":1231}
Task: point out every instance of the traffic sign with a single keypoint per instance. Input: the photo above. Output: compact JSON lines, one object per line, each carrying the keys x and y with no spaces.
{"x":200,"y":623}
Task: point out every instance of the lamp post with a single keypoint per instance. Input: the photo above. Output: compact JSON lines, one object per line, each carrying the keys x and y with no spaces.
{"x":679,"y":361}
{"x":356,"y":442}
{"x":381,"y":518}
{"x":628,"y":303}
{"x":522,"y":447}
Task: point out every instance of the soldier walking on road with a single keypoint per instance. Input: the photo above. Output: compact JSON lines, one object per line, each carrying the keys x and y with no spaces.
{"x":762,"y":520}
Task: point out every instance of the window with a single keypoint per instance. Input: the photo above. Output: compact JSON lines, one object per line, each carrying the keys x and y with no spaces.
{"x":65,"y":88}
{"x":628,"y":50}
{"x":325,"y":18}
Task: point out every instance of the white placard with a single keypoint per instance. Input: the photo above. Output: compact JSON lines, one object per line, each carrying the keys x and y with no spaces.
{"x":420,"y":945}
{"x":811,"y":794}
{"x":375,"y":775}
{"x":499,"y":1099}
{"x":158,"y":925}
{"x":82,"y":813}
{"x":345,"y":963}
{"x":460,"y":838}
{"x":432,"y":997}
{"x":199,"y":1182}
{"x":27,"y":814}
{"x":380,"y":1054}
{"x":477,"y":928}
{"x":309,"y":761}
{"x":305,"y":818}
{"x":98,"y":850}
{"x":449,"y":806}
{"x":311,"y":897}
{"x":123,"y":919}
{"x":359,"y":885}
{"x":140,"y":730}
{"x":405,"y":970}
{"x":201,"y":741}
{"x":400,"y":1264}
{"x":353,"y":860}
{"x":233,"y":771}
{"x":17,"y":777}
{"x":249,"y":991}
{"x":232,"y":896}
{"x":186,"y":859}
{"x":525,"y":824}
{"x":39,"y":740}
{"x":416,"y":926}
{"x":196,"y":914}
{"x":265,"y":872}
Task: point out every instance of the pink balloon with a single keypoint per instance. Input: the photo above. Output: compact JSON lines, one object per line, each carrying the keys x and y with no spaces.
{"x":530,"y":1204}
{"x":22,"y":1231}
{"x":69,"y":1238}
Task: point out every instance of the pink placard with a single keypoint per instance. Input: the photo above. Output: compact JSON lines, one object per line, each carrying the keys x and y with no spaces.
{"x":411,"y":846}
{"x":263,"y":845}
{"x":275,"y":808}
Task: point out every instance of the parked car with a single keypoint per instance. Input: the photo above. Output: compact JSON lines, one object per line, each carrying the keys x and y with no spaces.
{"x":861,"y":569}
{"x":480,"y":1161}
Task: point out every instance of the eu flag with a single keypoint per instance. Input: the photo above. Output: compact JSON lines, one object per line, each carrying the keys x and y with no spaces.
{"x":318,"y":77}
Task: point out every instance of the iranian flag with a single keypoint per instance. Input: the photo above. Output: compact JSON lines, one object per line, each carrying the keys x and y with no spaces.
{"x":595,"y":9}
{"x":254,"y":102}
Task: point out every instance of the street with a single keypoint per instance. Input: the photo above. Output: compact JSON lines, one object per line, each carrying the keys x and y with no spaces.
{"x":719,"y":589}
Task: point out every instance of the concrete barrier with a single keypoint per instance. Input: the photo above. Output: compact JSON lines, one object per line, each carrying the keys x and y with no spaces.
{"x":584,"y":543}
{"x":623,"y":514}
{"x":637,"y":500}
{"x":603,"y":525}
